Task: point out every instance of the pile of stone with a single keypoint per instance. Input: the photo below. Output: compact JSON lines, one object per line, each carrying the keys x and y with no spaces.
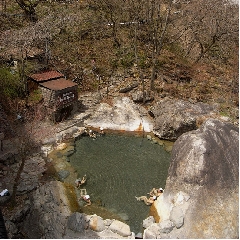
{"x":92,"y":225}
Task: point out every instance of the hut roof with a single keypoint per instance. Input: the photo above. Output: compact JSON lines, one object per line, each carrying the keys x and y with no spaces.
{"x":58,"y":84}
{"x":46,"y":76}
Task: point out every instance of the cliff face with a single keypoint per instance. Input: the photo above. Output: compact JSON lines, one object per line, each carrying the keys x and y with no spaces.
{"x":201,"y":195}
{"x":53,"y":216}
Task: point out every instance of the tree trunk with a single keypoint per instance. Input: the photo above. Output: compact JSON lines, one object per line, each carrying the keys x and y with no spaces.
{"x":153,"y":73}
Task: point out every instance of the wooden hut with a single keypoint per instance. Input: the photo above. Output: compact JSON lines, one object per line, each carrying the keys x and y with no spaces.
{"x":60,"y":95}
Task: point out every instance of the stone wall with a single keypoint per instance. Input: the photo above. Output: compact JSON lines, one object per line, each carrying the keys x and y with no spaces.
{"x":49,"y":96}
{"x":57,"y":101}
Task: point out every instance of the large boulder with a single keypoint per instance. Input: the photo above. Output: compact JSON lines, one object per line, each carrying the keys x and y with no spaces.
{"x":76,"y":222}
{"x":50,"y":209}
{"x":96,"y":223}
{"x":33,"y":170}
{"x":120,"y":228}
{"x":175,"y":117}
{"x":201,"y":193}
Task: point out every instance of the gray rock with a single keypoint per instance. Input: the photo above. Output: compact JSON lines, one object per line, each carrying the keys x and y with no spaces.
{"x":76,"y":222}
{"x":148,"y":221}
{"x":67,"y":131}
{"x":120,"y":228}
{"x":177,"y":217}
{"x":138,"y":96}
{"x":68,"y":151}
{"x":11,"y":228}
{"x":5,"y":199}
{"x":63,"y":174}
{"x":32,"y":171}
{"x":166,"y":226}
{"x":173,"y":118}
{"x":107,"y":234}
{"x":139,"y":236}
{"x":49,"y":212}
{"x":128,"y":88}
{"x":152,"y":232}
{"x":20,"y":215}
{"x":49,"y":141}
{"x":8,"y":158}
{"x":205,"y":166}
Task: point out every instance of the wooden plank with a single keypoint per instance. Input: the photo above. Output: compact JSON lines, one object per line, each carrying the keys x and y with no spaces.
{"x":83,"y":192}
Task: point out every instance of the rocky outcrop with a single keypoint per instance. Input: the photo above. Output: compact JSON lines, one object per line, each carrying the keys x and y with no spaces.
{"x":138,"y":96}
{"x":51,"y":215}
{"x":48,"y":144}
{"x":24,"y":179}
{"x":33,"y":170}
{"x":49,"y":212}
{"x":123,"y":114}
{"x":173,"y":118}
{"x":201,"y":195}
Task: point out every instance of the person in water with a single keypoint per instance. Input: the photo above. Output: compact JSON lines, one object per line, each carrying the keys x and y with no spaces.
{"x":101,"y":131}
{"x":147,"y":201}
{"x":156,"y":192}
{"x":80,"y":181}
{"x":92,"y":134}
{"x":87,"y":199}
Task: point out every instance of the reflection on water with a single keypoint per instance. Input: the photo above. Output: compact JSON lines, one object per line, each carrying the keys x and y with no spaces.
{"x":118,"y":168}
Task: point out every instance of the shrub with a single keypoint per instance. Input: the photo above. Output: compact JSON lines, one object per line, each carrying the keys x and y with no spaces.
{"x":10,"y":84}
{"x":35,"y":96}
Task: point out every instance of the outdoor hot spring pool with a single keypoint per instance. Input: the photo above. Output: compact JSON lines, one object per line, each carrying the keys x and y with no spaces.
{"x":118,"y":168}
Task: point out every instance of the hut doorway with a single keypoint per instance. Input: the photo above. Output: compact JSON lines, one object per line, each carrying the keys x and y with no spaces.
{"x":63,"y":113}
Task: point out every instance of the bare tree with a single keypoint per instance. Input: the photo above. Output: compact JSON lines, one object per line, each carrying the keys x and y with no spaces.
{"x":4,"y":5}
{"x":212,"y":25}
{"x":156,"y":16}
{"x":159,"y":13}
{"x":28,"y":6}
{"x":111,"y":12}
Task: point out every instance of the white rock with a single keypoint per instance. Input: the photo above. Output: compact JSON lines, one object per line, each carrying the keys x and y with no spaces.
{"x":120,"y":228}
{"x":97,"y":223}
{"x":148,"y":221}
{"x":61,"y":146}
{"x":123,"y":115}
{"x":46,"y":149}
{"x":152,"y":231}
{"x":166,"y":226}
{"x":177,"y":216}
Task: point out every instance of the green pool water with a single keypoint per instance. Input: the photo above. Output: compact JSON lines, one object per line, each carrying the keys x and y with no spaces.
{"x":118,"y":168}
